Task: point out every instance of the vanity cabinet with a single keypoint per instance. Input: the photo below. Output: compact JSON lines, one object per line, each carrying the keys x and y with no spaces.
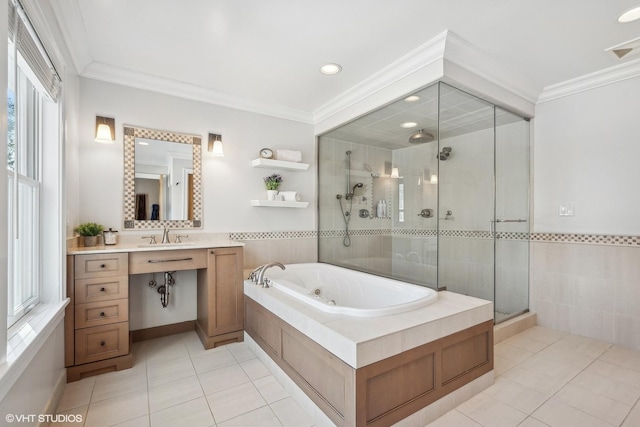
{"x":220,"y":318}
{"x":97,"y":320}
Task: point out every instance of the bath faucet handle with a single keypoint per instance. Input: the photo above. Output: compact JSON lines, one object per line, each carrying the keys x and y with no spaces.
{"x":266,"y":282}
{"x":179,"y":237}
{"x":253,"y":276}
{"x":152,"y":237}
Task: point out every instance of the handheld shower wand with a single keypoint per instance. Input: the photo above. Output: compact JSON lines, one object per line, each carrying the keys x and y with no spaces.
{"x":350,"y":195}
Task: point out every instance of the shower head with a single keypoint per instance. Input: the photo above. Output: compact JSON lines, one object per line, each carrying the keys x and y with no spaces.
{"x":421,"y":137}
{"x":444,"y":154}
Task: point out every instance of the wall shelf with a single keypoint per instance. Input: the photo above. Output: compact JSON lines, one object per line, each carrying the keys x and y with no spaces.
{"x":278,"y":204}
{"x":279,"y":164}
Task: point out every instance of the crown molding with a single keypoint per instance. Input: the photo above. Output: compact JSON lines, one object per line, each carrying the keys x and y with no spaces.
{"x":73,"y":32}
{"x":117,"y":75}
{"x":468,"y":57}
{"x":590,"y":81}
{"x":449,"y":53}
{"x":423,"y":56}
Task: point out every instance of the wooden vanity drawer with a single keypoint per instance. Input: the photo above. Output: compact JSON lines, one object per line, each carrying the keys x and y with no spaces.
{"x":101,"y":313}
{"x":173,"y":260}
{"x":101,"y":265}
{"x":101,"y":342}
{"x":101,"y":289}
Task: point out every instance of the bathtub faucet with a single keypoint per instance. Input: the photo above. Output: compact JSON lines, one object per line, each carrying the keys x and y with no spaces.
{"x":263,"y":268}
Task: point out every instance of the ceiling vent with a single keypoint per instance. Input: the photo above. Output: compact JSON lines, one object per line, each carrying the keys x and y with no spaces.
{"x":630,"y":48}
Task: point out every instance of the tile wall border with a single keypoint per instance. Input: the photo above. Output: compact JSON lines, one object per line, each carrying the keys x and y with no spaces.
{"x":588,"y":239}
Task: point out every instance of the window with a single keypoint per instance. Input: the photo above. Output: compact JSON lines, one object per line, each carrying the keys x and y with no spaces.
{"x":23,"y":207}
{"x":32,"y":85}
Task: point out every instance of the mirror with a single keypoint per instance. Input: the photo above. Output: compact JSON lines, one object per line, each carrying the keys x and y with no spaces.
{"x":162,"y":182}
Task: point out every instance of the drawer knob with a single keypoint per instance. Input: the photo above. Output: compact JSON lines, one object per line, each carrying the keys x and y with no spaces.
{"x":102,"y":314}
{"x":102,"y":343}
{"x":102,"y":289}
{"x":103,"y":265}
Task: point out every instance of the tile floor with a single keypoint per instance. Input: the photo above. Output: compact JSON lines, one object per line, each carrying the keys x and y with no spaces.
{"x":543,"y":378}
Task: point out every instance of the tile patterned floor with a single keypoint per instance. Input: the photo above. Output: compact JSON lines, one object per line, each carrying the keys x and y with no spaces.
{"x":549,"y":378}
{"x":543,"y":378}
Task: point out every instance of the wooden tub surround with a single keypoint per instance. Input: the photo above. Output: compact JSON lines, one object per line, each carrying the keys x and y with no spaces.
{"x":379,"y":388}
{"x":97,"y":335}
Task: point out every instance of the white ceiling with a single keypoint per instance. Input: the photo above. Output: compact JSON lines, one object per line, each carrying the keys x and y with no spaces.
{"x":267,"y":52}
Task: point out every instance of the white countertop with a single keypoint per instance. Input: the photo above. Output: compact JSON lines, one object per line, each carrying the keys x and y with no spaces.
{"x":360,"y":341}
{"x":141,"y":246}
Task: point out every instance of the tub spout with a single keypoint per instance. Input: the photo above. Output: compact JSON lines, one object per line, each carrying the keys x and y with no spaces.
{"x":261,"y":280}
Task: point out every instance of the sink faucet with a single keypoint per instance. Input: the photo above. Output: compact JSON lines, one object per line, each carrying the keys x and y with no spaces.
{"x":261,"y":280}
{"x":165,"y":235}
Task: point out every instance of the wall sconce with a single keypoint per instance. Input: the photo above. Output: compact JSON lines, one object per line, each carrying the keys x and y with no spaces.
{"x":105,"y":130}
{"x":395,"y":173}
{"x":215,"y":145}
{"x":434,"y":179}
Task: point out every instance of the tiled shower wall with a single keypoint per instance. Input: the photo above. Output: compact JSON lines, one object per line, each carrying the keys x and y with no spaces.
{"x":587,"y":285}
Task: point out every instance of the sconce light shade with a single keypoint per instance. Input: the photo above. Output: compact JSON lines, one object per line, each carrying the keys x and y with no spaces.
{"x":434,"y":179}
{"x":215,"y":145}
{"x":395,"y":173}
{"x":105,"y":130}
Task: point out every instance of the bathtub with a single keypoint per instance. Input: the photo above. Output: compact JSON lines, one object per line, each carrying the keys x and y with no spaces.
{"x":345,"y":364}
{"x":339,"y":290}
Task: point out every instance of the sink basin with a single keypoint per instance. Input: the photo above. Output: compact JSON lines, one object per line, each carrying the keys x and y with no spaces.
{"x":166,"y":245}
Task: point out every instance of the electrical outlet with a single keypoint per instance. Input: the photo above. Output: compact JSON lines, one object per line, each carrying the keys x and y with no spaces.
{"x":566,"y":210}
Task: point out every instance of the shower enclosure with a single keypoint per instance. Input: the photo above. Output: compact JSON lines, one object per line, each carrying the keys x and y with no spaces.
{"x":432,"y":189}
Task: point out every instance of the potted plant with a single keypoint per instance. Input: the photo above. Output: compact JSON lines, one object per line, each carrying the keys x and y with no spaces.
{"x":272,"y":182}
{"x":90,"y":231}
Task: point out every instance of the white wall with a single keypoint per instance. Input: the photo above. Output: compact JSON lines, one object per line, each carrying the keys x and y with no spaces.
{"x":586,"y":153}
{"x":229,"y":183}
{"x":34,"y":391}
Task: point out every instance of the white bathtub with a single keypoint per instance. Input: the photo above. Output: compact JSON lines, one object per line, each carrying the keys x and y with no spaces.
{"x":339,"y":290}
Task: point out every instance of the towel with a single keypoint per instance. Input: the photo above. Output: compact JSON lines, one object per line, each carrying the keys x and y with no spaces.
{"x":289,"y":155}
{"x":290,"y":196}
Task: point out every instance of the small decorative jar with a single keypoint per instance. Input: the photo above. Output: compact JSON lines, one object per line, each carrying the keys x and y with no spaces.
{"x":110,"y":237}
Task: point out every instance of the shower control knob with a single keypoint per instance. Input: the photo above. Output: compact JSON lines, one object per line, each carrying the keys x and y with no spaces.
{"x":426,"y":213}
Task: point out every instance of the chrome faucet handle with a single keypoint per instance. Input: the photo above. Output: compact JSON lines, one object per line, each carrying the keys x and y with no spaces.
{"x":253,"y":276}
{"x":266,"y":282}
{"x":179,"y":238}
{"x":165,"y":235}
{"x":152,"y":237}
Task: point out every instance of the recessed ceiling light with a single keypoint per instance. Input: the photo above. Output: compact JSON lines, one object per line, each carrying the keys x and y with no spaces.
{"x":408,"y":125}
{"x":630,"y":15}
{"x":412,"y":98}
{"x":330,"y":69}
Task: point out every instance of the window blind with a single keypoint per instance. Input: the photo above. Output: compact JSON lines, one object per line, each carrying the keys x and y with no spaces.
{"x":32,"y":50}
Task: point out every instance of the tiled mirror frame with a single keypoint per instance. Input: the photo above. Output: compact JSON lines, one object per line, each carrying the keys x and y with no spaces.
{"x":129,"y":194}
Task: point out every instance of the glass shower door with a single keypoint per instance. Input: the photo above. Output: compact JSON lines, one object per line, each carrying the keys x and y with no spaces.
{"x":511,"y":226}
{"x":466,"y":194}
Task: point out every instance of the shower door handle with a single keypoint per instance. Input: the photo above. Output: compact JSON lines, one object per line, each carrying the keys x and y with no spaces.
{"x":492,"y":224}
